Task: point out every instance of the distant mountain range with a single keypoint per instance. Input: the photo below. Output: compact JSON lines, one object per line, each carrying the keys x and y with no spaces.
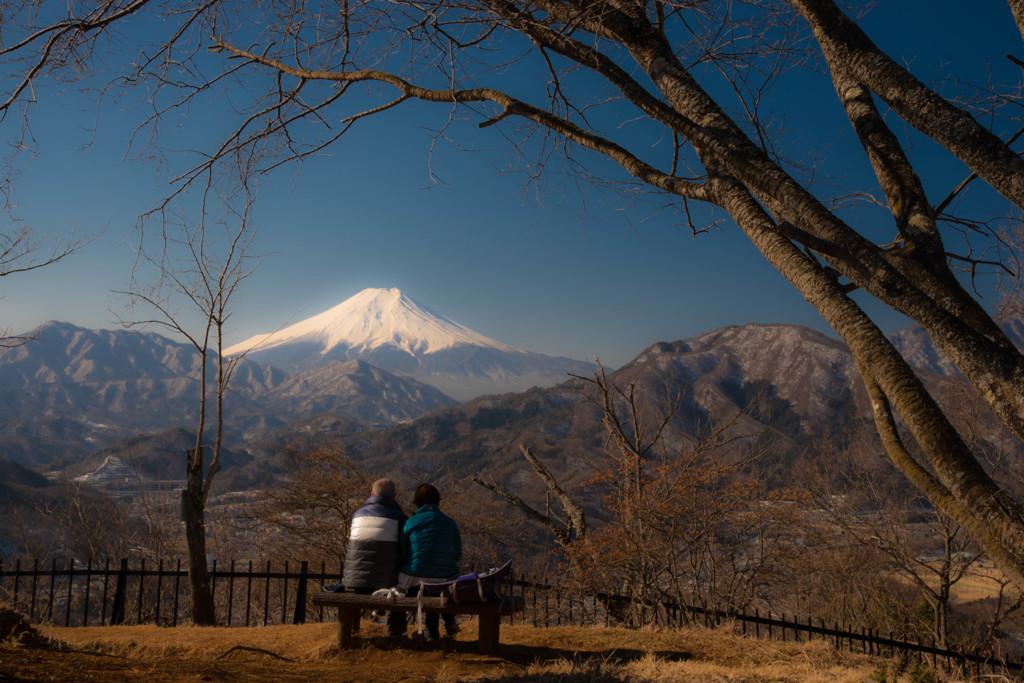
{"x":792,"y":388}
{"x":75,"y":399}
{"x":72,"y":391}
{"x":916,"y":346}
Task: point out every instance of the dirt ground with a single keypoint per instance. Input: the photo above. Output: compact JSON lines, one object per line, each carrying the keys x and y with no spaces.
{"x":309,"y":652}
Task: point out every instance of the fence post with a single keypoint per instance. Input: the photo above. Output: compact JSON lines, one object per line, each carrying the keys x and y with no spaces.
{"x":284,"y":596}
{"x":213,"y":589}
{"x":300,"y":595}
{"x":177,"y":588}
{"x":106,"y":585}
{"x":53,"y":577}
{"x":266,"y":595}
{"x":323,"y":579}
{"x":71,"y":583}
{"x":32,"y":602}
{"x":17,"y":577}
{"x":88,"y":580}
{"x":159,"y":588}
{"x":117,"y":611}
{"x":142,"y":579}
{"x":248,"y":593}
{"x":231,"y":591}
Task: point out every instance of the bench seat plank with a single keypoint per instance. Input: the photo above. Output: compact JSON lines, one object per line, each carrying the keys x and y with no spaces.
{"x":351,"y":605}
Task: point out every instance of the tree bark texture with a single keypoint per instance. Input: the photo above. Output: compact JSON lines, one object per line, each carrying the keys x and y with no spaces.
{"x":193,"y":500}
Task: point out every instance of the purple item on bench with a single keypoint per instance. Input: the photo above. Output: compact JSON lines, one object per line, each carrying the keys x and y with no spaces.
{"x":485,"y":586}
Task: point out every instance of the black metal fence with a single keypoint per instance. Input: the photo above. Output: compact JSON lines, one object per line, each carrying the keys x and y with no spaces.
{"x":250,"y":594}
{"x":99,"y":594}
{"x":552,"y":605}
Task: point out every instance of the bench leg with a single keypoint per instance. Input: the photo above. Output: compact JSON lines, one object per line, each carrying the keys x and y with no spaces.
{"x":490,"y":629}
{"x":348,"y":623}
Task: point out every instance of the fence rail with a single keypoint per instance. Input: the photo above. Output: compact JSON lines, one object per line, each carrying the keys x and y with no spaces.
{"x":251,"y":594}
{"x":89,"y":594}
{"x":551,"y":605}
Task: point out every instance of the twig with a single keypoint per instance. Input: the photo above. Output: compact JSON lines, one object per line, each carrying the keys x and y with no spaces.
{"x":255,"y":649}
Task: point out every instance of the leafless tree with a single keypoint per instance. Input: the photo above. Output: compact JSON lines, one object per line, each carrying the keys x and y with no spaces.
{"x":71,"y":519}
{"x":923,"y":547}
{"x":22,"y":250}
{"x":686,"y":524}
{"x":186,"y":279}
{"x":489,"y":534}
{"x":916,"y":552}
{"x":695,"y":80}
{"x":689,"y":525}
{"x":312,"y":504}
{"x":568,"y":527}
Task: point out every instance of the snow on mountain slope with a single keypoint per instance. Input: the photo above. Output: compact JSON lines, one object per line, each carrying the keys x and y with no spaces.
{"x":804,"y":367}
{"x":920,"y":351}
{"x":390,"y":331}
{"x":371,"y":319}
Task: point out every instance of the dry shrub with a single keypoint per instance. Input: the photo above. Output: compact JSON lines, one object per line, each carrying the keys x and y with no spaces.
{"x":16,"y":630}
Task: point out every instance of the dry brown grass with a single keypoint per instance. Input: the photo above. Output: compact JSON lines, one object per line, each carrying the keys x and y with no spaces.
{"x":309,"y":652}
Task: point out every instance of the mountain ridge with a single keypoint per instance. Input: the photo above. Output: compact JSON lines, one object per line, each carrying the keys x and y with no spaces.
{"x":73,"y":390}
{"x":724,"y":375}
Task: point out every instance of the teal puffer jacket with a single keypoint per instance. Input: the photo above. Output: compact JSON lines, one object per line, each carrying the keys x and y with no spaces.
{"x":431,"y":544}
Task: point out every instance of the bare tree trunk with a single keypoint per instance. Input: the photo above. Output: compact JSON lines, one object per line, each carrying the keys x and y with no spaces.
{"x":218,"y":264}
{"x":574,"y":529}
{"x":194,"y":511}
{"x":958,"y":485}
{"x":194,"y":508}
{"x":1017,"y":7}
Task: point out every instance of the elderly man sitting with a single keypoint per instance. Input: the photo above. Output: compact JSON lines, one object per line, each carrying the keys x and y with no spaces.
{"x":374,"y":553}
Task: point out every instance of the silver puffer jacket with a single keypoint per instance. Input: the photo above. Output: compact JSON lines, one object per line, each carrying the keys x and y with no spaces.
{"x":374,"y":553}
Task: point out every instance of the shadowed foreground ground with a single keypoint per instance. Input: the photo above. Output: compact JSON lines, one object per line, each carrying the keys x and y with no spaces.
{"x":309,"y":652}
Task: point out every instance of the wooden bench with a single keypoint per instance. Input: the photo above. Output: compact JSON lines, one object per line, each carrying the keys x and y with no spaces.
{"x":351,"y":605}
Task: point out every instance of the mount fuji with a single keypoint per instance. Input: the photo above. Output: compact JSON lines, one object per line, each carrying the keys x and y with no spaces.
{"x":387,"y":329}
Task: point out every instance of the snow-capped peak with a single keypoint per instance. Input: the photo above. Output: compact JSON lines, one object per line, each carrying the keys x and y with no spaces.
{"x":371,"y":319}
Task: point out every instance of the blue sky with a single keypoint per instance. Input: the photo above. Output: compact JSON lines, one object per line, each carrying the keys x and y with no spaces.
{"x":552,"y":276}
